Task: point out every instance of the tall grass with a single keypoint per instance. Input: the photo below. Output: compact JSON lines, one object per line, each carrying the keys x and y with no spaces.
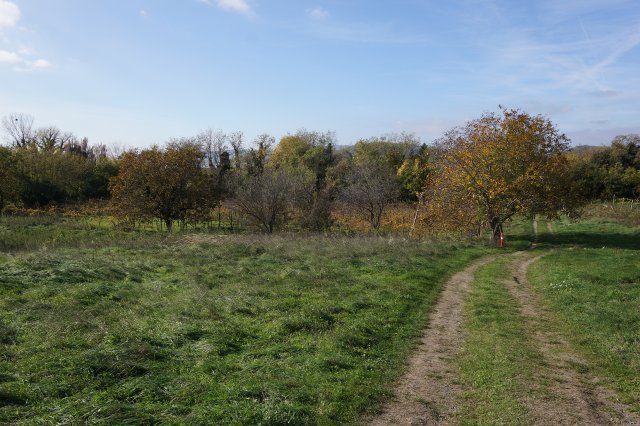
{"x":200,"y":328}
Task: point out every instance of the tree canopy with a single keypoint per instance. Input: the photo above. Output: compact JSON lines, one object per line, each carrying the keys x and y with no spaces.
{"x":499,"y":165}
{"x":167,"y":184}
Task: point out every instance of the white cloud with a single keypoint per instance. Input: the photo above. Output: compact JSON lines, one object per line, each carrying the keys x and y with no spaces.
{"x":39,"y":63}
{"x":143,"y":13}
{"x":318,"y":13}
{"x":238,"y":6}
{"x":20,"y":57}
{"x":9,"y":57}
{"x":22,"y":64}
{"x":9,"y":14}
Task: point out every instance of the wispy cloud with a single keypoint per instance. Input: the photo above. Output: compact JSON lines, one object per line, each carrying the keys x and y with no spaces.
{"x":590,"y":75}
{"x":366,"y":33}
{"x":579,"y":64}
{"x":237,"y":6}
{"x":9,"y":14}
{"x":562,"y":49}
{"x":554,"y":10}
{"x":318,"y":13}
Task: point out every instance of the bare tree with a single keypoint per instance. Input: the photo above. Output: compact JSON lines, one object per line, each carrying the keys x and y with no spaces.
{"x":51,"y":138}
{"x":214,"y":144}
{"x":19,"y":129}
{"x":236,"y":139}
{"x":267,"y":198}
{"x":370,"y":188}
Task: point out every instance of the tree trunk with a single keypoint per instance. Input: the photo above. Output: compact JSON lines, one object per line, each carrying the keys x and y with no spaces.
{"x":168,"y":223}
{"x":496,"y":229}
{"x":372,"y":217}
{"x":415,"y":216}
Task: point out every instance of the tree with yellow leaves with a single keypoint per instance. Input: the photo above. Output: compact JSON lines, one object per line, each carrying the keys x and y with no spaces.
{"x":497,"y":166}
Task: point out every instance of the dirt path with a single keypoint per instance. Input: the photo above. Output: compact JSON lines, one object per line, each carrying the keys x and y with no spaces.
{"x":428,"y":392}
{"x":576,"y":396}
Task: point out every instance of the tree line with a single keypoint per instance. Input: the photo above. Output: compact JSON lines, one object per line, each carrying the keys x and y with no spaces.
{"x":609,"y":172}
{"x":474,"y":177}
{"x":43,"y":166}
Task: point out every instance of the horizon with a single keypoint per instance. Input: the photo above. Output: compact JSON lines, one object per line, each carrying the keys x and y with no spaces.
{"x":141,"y":72}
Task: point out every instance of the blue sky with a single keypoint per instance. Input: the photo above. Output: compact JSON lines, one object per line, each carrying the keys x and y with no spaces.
{"x":137,"y":72}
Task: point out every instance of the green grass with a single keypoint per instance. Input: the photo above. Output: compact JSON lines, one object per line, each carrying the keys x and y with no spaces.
{"x":212,"y":329}
{"x":103,"y":326}
{"x":49,"y":232}
{"x":626,"y":213}
{"x":498,"y":362}
{"x":45,"y":232}
{"x":595,"y":233}
{"x":595,"y":289}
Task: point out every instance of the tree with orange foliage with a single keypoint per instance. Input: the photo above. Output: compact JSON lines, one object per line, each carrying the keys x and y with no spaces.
{"x":497,"y":166}
{"x":166,"y":184}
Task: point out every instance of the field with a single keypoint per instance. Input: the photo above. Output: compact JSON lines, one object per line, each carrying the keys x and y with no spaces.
{"x":241,"y":329}
{"x":577,"y":327}
{"x":594,"y":287}
{"x":103,"y":326}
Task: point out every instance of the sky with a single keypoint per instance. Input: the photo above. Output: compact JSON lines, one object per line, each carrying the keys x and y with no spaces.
{"x":138,"y":72}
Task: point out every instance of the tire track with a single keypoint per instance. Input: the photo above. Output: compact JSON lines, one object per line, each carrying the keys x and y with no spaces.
{"x":577,"y":398}
{"x":428,"y":392}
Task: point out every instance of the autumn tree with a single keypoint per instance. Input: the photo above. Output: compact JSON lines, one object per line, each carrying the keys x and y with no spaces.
{"x":390,"y":150}
{"x":412,"y":175}
{"x":166,"y":184}
{"x":499,"y":165}
{"x":309,"y":156}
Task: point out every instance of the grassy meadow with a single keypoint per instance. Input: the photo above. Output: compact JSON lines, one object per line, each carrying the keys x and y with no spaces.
{"x":592,"y":282}
{"x":105,"y":326}
{"x":231,"y":329}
